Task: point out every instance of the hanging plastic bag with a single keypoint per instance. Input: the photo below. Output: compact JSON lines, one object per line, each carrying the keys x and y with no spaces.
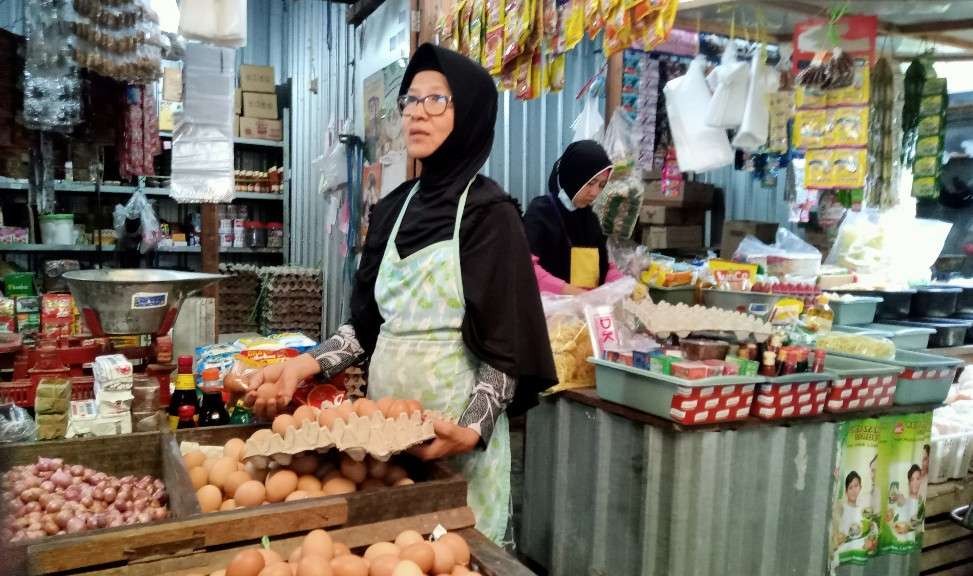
{"x":618,"y":141}
{"x":138,"y":208}
{"x":699,"y":146}
{"x":755,"y":127}
{"x":729,"y":83}
{"x":589,"y":123}
{"x":335,"y":167}
{"x":219,"y":22}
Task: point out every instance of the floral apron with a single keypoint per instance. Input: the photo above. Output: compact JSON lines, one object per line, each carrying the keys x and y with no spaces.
{"x":420,"y":355}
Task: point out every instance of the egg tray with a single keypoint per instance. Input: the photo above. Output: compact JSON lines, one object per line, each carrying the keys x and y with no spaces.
{"x":374,"y":435}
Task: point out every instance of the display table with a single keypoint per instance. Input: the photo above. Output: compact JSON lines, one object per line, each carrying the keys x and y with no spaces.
{"x":611,"y":490}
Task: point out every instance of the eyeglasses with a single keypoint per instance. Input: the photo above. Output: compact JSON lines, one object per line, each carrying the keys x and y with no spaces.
{"x":433,"y":104}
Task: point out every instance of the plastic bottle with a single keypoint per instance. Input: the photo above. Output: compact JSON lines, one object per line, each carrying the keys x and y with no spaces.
{"x":820,"y":317}
{"x":212,"y":411}
{"x":185,"y":392}
{"x":186,"y":417}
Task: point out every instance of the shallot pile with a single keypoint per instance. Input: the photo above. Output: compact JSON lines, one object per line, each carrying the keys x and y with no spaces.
{"x":51,"y":497}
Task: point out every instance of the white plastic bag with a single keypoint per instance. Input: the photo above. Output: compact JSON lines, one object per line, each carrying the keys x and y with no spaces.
{"x":335,"y":166}
{"x":619,"y":142}
{"x":219,"y":22}
{"x":729,"y":82}
{"x":139,"y":208}
{"x":755,"y":127}
{"x":699,"y":146}
{"x":589,"y":123}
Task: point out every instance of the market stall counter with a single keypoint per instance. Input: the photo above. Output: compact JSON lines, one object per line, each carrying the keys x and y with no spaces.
{"x":613,"y":490}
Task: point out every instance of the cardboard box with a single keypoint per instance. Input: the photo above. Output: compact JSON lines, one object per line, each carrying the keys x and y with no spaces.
{"x":257,"y":78}
{"x":261,"y":129}
{"x":172,"y":84}
{"x":692,"y":194}
{"x":658,"y":237}
{"x":238,"y":102}
{"x":734,"y":231}
{"x":655,"y":214}
{"x":257,"y":105}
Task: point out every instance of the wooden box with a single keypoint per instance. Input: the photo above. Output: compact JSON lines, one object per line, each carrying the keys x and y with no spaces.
{"x":691,"y":194}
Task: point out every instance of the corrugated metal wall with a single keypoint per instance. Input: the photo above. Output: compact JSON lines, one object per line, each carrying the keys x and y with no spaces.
{"x":605,"y":495}
{"x":12,"y":15}
{"x":747,"y":199}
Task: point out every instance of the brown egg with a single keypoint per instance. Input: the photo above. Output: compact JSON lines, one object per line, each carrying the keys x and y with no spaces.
{"x":345,"y":410}
{"x":303,"y":414}
{"x":278,"y":569}
{"x":210,"y":498}
{"x":258,"y":474}
{"x":318,"y":543}
{"x":221,"y":470}
{"x":327,"y":417}
{"x":445,"y":559}
{"x":246,"y":563}
{"x":408,"y":538}
{"x":282,"y":423}
{"x":198,"y":477}
{"x":421,"y":553}
{"x":348,"y":565}
{"x":295,"y":556}
{"x":394,"y":474}
{"x":413,"y":406}
{"x":208,"y":464}
{"x":365,"y":407}
{"x":305,"y":463}
{"x":407,"y":568}
{"x":377,"y":468}
{"x":381,"y":549}
{"x":330,"y":476}
{"x":234,"y":481}
{"x":314,"y":566}
{"x":228,"y":505}
{"x":234,"y":448}
{"x":383,"y":565}
{"x":296,"y":495}
{"x":404,"y":482}
{"x":340,"y":549}
{"x":249,"y":494}
{"x":270,"y":556}
{"x":354,"y":471}
{"x":384,"y":404}
{"x":280,"y":485}
{"x":194,"y":459}
{"x":396,"y":408}
{"x":461,"y":550}
{"x":309,"y":483}
{"x":371,"y":484}
{"x":460,"y":571}
{"x":338,"y":486}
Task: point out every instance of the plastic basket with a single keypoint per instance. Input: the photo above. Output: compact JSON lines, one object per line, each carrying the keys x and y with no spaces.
{"x":705,"y":401}
{"x":856,"y":312}
{"x":859,"y":384}
{"x":792,"y":396}
{"x":925,"y":378}
{"x":905,"y":337}
{"x":759,"y":304}
{"x":19,"y":392}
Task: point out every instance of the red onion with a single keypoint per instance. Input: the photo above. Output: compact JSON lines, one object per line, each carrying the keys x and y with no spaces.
{"x":159,"y":513}
{"x":32,"y":481}
{"x":54,"y":505}
{"x":76,"y":470}
{"x":122,"y":505}
{"x":35,"y":534}
{"x":124,"y":495}
{"x":75,"y":525}
{"x":160,"y":496}
{"x":63,"y":517}
{"x":61,"y":479}
{"x":51,"y":528}
{"x":109,"y":495}
{"x":31,"y":494}
{"x":86,"y":501}
{"x":88,"y":474}
{"x":47,"y":485}
{"x":32,"y":506}
{"x":99,"y":493}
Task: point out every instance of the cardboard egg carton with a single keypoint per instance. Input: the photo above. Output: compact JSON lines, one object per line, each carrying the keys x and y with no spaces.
{"x":374,"y":435}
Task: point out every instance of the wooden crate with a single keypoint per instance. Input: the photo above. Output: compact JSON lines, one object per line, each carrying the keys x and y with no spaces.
{"x":486,"y":557}
{"x":437,"y":486}
{"x":947,"y":547}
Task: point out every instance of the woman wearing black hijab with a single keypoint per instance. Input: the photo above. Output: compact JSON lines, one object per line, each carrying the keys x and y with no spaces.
{"x":445,"y":308}
{"x":568,"y":246}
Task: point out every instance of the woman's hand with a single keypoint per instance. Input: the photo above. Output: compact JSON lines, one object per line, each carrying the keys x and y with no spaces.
{"x":451,"y":440}
{"x":270,"y":389}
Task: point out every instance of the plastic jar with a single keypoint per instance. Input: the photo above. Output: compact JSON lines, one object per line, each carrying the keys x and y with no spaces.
{"x":256,"y":234}
{"x":275,"y":235}
{"x":57,"y":229}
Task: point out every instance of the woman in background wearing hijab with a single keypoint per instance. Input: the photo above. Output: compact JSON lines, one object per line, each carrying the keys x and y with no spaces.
{"x":569,"y":251}
{"x":445,"y":308}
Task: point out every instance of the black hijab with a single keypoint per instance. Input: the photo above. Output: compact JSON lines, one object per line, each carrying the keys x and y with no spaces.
{"x":504,"y":324}
{"x":552,"y":229}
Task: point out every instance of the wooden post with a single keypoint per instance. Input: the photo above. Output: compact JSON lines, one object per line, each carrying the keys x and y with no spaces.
{"x":210,"y":249}
{"x":613,"y":85}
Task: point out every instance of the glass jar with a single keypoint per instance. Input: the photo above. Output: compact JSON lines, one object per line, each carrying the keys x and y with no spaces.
{"x":275,"y":235}
{"x":256,"y":234}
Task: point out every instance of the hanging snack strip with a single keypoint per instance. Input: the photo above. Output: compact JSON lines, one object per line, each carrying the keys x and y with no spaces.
{"x":930,"y":136}
{"x":883,"y":147}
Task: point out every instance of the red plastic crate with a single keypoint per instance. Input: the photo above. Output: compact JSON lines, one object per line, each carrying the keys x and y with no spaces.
{"x":22,"y":392}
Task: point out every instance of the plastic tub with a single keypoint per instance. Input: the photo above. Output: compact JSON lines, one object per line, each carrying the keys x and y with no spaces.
{"x":674,"y":295}
{"x":935,"y":301}
{"x":759,"y":304}
{"x":706,"y":401}
{"x":925,"y":378}
{"x":949,"y":333}
{"x":905,"y":337}
{"x":57,"y":229}
{"x":964,"y":304}
{"x":859,"y":384}
{"x":792,"y":396}
{"x":894,"y":305}
{"x":863,"y":331}
{"x":859,"y":311}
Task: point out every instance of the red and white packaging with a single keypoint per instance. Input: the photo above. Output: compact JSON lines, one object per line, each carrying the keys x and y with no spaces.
{"x":861,"y":393}
{"x":793,"y":400}
{"x":711,"y":404}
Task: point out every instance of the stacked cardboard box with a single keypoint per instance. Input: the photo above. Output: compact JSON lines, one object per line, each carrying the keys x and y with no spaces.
{"x":256,"y":104}
{"x":674,"y":218}
{"x":238,"y":298}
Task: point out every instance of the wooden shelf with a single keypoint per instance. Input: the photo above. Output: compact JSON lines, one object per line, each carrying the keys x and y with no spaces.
{"x":89,"y":188}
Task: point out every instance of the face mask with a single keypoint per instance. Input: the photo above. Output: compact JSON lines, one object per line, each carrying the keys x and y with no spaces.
{"x":566,"y":201}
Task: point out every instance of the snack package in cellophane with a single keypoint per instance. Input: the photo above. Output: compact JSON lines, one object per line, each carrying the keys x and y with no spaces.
{"x":476,"y":30}
{"x":464,"y":10}
{"x":493,"y":41}
{"x":654,"y":27}
{"x":554,"y":73}
{"x":617,"y":30}
{"x":519,"y":16}
{"x":574,"y":24}
{"x":594,"y":16}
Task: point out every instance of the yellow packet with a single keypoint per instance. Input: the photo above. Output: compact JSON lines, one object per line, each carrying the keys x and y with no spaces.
{"x":810,"y":128}
{"x":810,"y":98}
{"x":817,"y":170}
{"x":476,"y":30}
{"x":493,"y":51}
{"x":847,"y":126}
{"x":856,"y":94}
{"x":574,"y":25}
{"x":787,"y":311}
{"x":660,"y":25}
{"x":930,"y":125}
{"x":555,"y":73}
{"x":928,"y":146}
{"x":732,"y":275}
{"x":594,"y":17}
{"x":848,"y":167}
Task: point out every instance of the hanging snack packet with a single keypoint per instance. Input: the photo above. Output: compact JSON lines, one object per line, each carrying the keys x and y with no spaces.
{"x":847,"y":127}
{"x":475,"y":51}
{"x":555,"y":73}
{"x":848,"y":167}
{"x":492,"y":58}
{"x":594,"y":17}
{"x":817,"y":173}
{"x":516,"y":29}
{"x":464,"y":10}
{"x":574,"y":24}
{"x":810,"y":128}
